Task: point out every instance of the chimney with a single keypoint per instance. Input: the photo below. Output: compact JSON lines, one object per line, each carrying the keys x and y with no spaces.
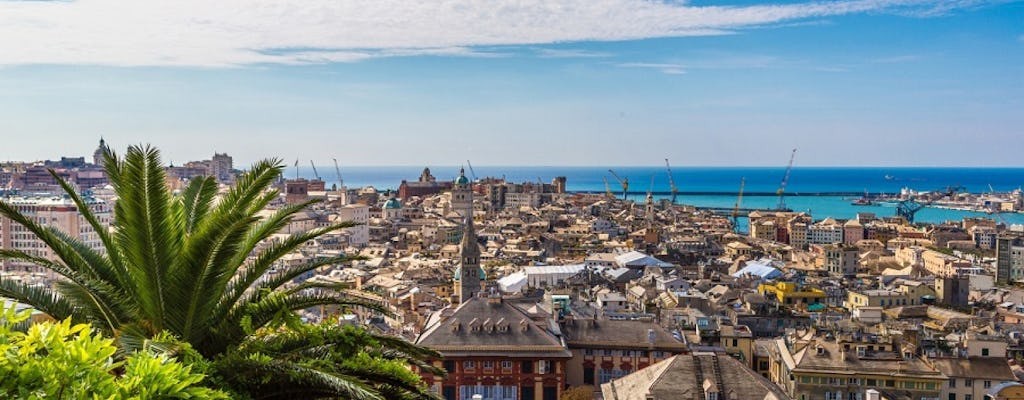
{"x":359,"y":283}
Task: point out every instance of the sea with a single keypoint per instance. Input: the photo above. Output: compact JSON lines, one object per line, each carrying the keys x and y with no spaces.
{"x":762,"y":180}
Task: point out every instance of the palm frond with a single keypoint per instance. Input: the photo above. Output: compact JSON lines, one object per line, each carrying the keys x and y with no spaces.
{"x":42,"y":299}
{"x":90,"y":217}
{"x":196,"y":199}
{"x":147,"y":231}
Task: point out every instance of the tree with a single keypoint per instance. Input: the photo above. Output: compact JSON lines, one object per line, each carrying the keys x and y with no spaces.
{"x":585,"y":392}
{"x":63,"y":361}
{"x":191,"y":264}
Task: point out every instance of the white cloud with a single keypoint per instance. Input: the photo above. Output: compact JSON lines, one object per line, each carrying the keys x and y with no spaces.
{"x":671,"y":69}
{"x":569,"y":53}
{"x":240,"y":32}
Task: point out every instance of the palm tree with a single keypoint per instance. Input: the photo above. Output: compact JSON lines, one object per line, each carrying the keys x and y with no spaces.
{"x":195,"y":265}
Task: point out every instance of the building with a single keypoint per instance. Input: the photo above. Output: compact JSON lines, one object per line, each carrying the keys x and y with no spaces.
{"x":469,"y":276}
{"x":838,"y":259}
{"x":604,"y":349}
{"x":1009,"y":258}
{"x":359,"y":235}
{"x":817,"y":366}
{"x":705,"y":376}
{"x":97,"y":156}
{"x":220,"y":167}
{"x":790,"y":294}
{"x":296,"y":190}
{"x":826,"y":231}
{"x":425,"y":186}
{"x":462,"y":195}
{"x":981,"y":367}
{"x":495,"y":349}
{"x":853,"y":232}
{"x":57,"y":212}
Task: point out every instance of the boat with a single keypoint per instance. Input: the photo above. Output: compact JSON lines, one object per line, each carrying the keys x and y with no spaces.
{"x":863,"y":201}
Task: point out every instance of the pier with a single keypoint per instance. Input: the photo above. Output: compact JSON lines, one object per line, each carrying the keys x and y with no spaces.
{"x":745,"y":194}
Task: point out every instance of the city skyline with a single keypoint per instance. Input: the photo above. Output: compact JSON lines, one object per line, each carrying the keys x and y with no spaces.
{"x":849,"y":83}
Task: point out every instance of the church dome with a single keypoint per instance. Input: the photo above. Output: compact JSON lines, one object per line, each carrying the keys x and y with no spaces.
{"x":462,"y":179}
{"x":393,"y":204}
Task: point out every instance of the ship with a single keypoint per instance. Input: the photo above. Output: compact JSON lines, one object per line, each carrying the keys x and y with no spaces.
{"x":863,"y":201}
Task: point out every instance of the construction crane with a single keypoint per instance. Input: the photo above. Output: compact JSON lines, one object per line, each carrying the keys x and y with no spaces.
{"x":341,"y":182}
{"x":622,"y":181}
{"x":471,"y":171}
{"x":671,"y":182}
{"x":316,"y":174}
{"x":782,"y":186}
{"x":736,"y":209}
{"x":608,"y":189}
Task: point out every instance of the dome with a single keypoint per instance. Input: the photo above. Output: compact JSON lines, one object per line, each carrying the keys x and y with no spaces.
{"x":393,"y":204}
{"x":462,"y":179}
{"x":458,"y":273}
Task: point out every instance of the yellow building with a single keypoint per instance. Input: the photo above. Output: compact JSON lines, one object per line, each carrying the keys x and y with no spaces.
{"x":790,"y":293}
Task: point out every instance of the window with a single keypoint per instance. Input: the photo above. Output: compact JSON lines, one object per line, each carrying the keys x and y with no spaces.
{"x":527,"y":367}
{"x":968,"y":382}
{"x":952,"y":383}
{"x":833,"y":395}
{"x":543,"y":366}
{"x":890,"y":383}
{"x":735,"y":343}
{"x":607,"y":353}
{"x":952,"y":396}
{"x":987,"y":384}
{"x":968,"y":397}
{"x":853,"y":396}
{"x":984,"y":351}
{"x":853,"y":381}
{"x":488,"y":364}
{"x":588,"y":376}
{"x":506,"y":364}
{"x":468,"y":364}
{"x":835,"y":381}
{"x":449,"y":366}
{"x":588,"y":352}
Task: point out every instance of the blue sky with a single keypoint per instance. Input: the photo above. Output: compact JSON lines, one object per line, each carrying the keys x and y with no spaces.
{"x":600,"y":82}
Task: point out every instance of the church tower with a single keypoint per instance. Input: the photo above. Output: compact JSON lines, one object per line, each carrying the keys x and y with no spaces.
{"x":468,"y":276}
{"x":97,"y":156}
{"x":462,"y":195}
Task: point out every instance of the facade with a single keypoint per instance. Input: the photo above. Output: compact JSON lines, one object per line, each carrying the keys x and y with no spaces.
{"x":426,"y":185}
{"x":220,"y":167}
{"x":789,"y":293}
{"x":492,"y":348}
{"x":359,"y":235}
{"x":853,"y":231}
{"x":59,"y":213}
{"x":604,"y":349}
{"x":981,"y":366}
{"x":826,"y":231}
{"x":1009,"y":258}
{"x":839,"y":259}
{"x":815,"y":367}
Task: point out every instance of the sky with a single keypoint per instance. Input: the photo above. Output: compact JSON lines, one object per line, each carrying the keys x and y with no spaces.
{"x":518,"y":82}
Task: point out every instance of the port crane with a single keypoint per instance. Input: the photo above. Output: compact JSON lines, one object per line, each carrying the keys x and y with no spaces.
{"x":671,"y":182}
{"x":315,"y":174}
{"x":782,"y":186}
{"x":622,"y":181}
{"x":736,"y":209}
{"x":608,"y":189}
{"x":471,"y":171}
{"x":341,"y":182}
